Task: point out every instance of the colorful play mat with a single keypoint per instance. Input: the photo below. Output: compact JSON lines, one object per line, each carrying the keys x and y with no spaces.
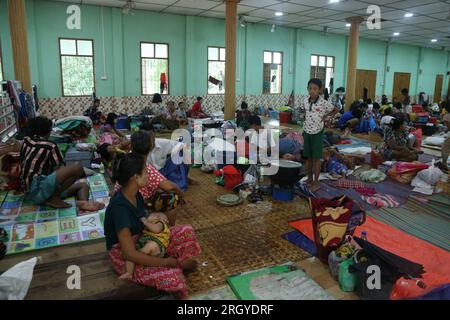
{"x":32,"y":227}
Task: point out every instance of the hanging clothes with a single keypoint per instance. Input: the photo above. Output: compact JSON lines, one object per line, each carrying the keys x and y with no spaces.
{"x":14,"y":96}
{"x":163,"y":80}
{"x":27,"y":107}
{"x":213,"y":80}
{"x":35,"y":97}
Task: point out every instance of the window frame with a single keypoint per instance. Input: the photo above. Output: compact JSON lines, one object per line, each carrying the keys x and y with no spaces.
{"x":207,"y":69}
{"x":168,"y":65}
{"x":326,"y":67}
{"x":76,"y":55}
{"x":1,"y":63}
{"x":280,"y":64}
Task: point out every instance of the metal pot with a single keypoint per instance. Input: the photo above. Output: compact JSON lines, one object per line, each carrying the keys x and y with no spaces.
{"x":288,"y":172}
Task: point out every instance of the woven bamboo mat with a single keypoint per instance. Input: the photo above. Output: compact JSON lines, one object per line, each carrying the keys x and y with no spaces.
{"x":202,"y":211}
{"x":237,"y":239}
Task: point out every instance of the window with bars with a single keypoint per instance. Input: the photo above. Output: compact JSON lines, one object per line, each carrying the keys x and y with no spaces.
{"x":77,"y":66}
{"x":322,"y":67}
{"x":216,"y":70}
{"x":154,"y":68}
{"x":272,"y":68}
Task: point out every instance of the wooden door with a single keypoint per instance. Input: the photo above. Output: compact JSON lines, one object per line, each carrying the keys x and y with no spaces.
{"x":401,"y":80}
{"x":438,"y":88}
{"x":448,"y":90}
{"x":365,"y":79}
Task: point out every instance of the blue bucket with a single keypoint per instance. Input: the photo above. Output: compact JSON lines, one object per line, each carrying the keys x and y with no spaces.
{"x":282,"y":194}
{"x":122,"y":123}
{"x":274,"y":114}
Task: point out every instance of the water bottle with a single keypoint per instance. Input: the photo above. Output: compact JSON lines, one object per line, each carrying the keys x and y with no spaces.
{"x":364,"y":235}
{"x":102,"y":168}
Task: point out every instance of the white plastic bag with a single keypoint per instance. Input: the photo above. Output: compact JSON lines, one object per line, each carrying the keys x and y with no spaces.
{"x":421,"y":186}
{"x":14,"y":282}
{"x":434,"y":140}
{"x":251,"y":175}
{"x":432,"y":175}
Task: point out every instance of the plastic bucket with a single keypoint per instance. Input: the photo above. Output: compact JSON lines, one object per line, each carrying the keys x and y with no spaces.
{"x":285,"y":117}
{"x":282,"y":194}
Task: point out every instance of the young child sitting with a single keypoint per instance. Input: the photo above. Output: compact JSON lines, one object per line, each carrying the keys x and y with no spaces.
{"x":242,"y":116}
{"x":110,"y":125}
{"x":153,"y":241}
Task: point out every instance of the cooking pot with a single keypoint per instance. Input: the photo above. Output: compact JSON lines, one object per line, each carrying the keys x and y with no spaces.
{"x":288,"y":172}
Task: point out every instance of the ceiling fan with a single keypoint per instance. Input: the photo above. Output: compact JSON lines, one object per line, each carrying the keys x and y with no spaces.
{"x":241,"y":20}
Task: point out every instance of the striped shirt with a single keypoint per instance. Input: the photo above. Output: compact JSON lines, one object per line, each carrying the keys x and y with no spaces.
{"x":38,"y":157}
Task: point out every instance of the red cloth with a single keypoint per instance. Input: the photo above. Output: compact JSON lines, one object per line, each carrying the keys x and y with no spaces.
{"x":349,"y":184}
{"x":196,"y":108}
{"x":154,"y":179}
{"x":232,"y":177}
{"x":434,"y":259}
{"x":163,"y":78}
{"x":346,"y":141}
{"x":183,"y":245}
{"x":369,"y":191}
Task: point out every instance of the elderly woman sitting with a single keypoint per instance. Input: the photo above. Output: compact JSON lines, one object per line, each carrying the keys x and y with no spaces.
{"x":396,"y":143}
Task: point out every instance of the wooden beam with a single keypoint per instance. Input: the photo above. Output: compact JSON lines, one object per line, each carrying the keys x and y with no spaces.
{"x":352,"y":60}
{"x":19,"y":40}
{"x":230,"y":58}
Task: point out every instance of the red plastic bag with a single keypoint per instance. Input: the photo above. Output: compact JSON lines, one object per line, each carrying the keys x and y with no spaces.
{"x":232,"y":177}
{"x":404,"y":172}
{"x":404,"y":167}
{"x":409,"y":288}
{"x":418,"y":134}
{"x":376,"y":158}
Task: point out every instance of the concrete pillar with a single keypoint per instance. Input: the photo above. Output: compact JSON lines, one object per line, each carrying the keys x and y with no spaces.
{"x":352,"y":60}
{"x":19,"y":41}
{"x":230,"y":58}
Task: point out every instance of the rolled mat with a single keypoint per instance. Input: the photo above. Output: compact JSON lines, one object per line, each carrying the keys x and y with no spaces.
{"x":301,"y":241}
{"x":436,"y":261}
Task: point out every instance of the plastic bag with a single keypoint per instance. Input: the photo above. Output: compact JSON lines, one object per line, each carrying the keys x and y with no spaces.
{"x":432,"y":175}
{"x":404,"y":172}
{"x":408,"y":288}
{"x":376,"y":157}
{"x":347,"y":280}
{"x":251,"y":175}
{"x":232,"y":177}
{"x":435,"y":141}
{"x":14,"y":282}
{"x":403,"y":167}
{"x":334,"y":262}
{"x":418,"y":134}
{"x":220,"y":177}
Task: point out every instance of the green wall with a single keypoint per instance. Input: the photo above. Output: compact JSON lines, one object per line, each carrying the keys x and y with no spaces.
{"x":402,"y":58}
{"x":431,"y":65}
{"x":371,"y":56}
{"x":259,"y":39}
{"x":311,"y":42}
{"x":188,"y":38}
{"x":5,"y":41}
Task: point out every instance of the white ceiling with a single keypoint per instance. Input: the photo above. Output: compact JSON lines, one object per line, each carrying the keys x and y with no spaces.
{"x":431,"y":18}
